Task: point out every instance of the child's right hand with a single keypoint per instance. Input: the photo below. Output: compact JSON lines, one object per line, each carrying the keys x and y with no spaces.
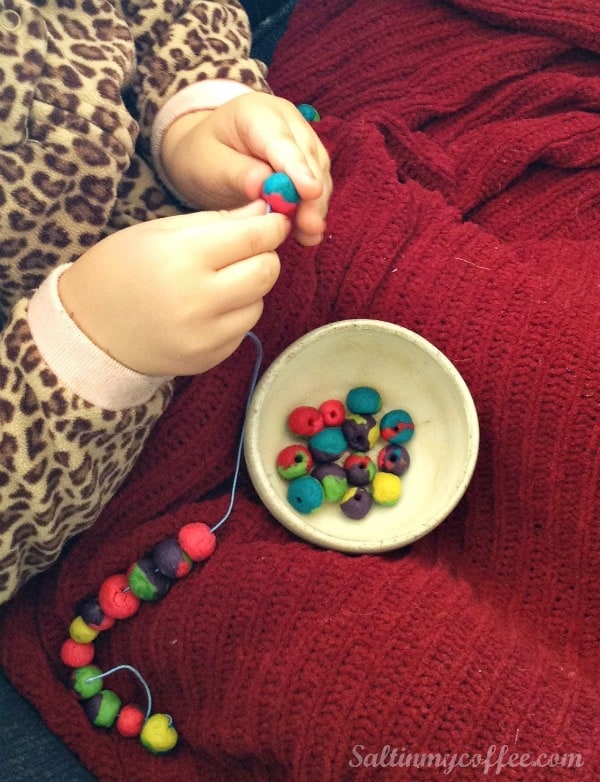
{"x":176,"y":296}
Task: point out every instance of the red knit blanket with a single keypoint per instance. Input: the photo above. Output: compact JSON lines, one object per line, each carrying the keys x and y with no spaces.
{"x":465,"y":140}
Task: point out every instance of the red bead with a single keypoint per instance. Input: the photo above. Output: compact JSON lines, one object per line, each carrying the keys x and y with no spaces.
{"x":305,"y":421}
{"x":130,"y":721}
{"x":116,"y":599}
{"x":293,"y":461}
{"x":197,"y":540}
{"x":333,"y":412}
{"x":75,"y":655}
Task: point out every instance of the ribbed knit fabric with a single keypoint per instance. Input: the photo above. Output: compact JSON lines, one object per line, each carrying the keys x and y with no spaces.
{"x":465,"y":146}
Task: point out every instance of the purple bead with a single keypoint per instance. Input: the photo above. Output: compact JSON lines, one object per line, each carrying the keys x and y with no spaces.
{"x":357,"y":504}
{"x":360,"y":431}
{"x":394,"y":459}
{"x":171,"y":559}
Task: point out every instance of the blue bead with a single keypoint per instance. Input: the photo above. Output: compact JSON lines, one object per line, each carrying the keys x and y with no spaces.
{"x":363,"y":400}
{"x":397,"y":427}
{"x":280,"y":184}
{"x":328,"y":444}
{"x":305,"y":494}
{"x":308,"y":112}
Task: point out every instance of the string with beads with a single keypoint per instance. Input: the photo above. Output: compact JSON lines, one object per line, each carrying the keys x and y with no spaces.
{"x":120,"y":597}
{"x":151,"y":577}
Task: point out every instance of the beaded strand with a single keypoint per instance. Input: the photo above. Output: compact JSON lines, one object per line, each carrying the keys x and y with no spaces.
{"x":119,"y":597}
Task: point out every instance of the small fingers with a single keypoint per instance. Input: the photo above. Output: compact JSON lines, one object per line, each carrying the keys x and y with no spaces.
{"x":226,"y":242}
{"x":297,"y":154}
{"x":307,"y":164}
{"x":309,"y":227}
{"x":310,"y":217}
{"x":287,"y":142}
{"x":246,"y":282}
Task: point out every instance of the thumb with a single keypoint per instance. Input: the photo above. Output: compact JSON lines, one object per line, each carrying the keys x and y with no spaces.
{"x":198,"y":219}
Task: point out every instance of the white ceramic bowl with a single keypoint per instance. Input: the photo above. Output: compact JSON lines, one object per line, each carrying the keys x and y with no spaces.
{"x":409,"y":373}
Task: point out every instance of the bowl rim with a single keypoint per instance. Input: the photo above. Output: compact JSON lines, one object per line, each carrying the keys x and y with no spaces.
{"x":285,"y":514}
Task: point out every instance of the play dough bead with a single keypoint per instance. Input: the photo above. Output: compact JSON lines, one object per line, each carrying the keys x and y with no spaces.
{"x":386,"y":488}
{"x":197,"y":540}
{"x":171,"y":559}
{"x":363,"y":400}
{"x":279,"y":192}
{"x":394,"y":459}
{"x":102,"y":709}
{"x":360,"y":469}
{"x":146,"y":581}
{"x":116,"y":598}
{"x":81,"y":632}
{"x":80,"y":683}
{"x":305,"y":494}
{"x":361,"y":431}
{"x":158,"y":734}
{"x":308,"y":112}
{"x":397,"y":427}
{"x":356,"y":503}
{"x":333,"y":412}
{"x":93,"y":615}
{"x":294,"y":461}
{"x":305,"y":421}
{"x":328,"y":445}
{"x":75,"y":655}
{"x":333,"y":479}
{"x":130,"y":721}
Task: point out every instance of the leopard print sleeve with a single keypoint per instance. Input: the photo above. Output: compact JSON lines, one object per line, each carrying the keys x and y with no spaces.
{"x":71,"y":172}
{"x":61,"y":458}
{"x":180,"y":42}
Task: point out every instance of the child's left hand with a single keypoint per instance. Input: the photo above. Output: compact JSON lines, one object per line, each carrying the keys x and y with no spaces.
{"x":220,"y":158}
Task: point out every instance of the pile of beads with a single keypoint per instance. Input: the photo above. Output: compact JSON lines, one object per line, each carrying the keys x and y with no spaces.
{"x":120,"y":597}
{"x":334,"y":464}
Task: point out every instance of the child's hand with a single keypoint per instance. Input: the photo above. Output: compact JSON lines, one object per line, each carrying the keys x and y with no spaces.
{"x":176,"y":296}
{"x":220,"y":158}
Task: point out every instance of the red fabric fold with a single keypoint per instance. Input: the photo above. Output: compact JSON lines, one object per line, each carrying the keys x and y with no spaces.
{"x":464,"y":146}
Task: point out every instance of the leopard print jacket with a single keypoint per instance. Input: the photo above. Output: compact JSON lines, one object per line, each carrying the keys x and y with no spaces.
{"x":81,"y":82}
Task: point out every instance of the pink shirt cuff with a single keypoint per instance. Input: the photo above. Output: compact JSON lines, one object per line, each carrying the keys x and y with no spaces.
{"x":78,"y":363}
{"x":201,"y":95}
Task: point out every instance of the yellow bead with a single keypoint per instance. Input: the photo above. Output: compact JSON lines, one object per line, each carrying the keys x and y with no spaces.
{"x":158,"y":734}
{"x":80,"y":632}
{"x":373,"y":435}
{"x":386,"y":488}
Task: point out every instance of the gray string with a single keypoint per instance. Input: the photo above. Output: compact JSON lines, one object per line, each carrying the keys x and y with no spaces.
{"x":136,"y":673}
{"x":238,"y":462}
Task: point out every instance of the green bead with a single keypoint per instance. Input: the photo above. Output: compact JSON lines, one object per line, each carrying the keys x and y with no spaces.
{"x":146,"y":581}
{"x":108,"y":707}
{"x":79,"y":681}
